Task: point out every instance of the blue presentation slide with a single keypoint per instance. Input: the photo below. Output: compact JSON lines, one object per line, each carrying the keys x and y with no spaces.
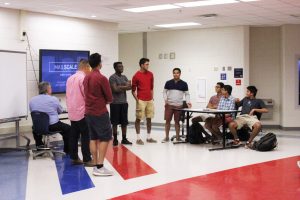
{"x":57,"y":65}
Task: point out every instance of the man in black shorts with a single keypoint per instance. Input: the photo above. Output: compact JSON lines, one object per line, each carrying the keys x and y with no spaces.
{"x":119,"y":107}
{"x":97,"y":95}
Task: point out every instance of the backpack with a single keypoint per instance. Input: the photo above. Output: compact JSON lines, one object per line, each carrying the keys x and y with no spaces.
{"x":265,"y":143}
{"x":195,"y":135}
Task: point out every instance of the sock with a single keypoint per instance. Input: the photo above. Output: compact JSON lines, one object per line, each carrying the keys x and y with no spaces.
{"x":99,"y":166}
{"x":148,"y":136}
{"x":138,"y":136}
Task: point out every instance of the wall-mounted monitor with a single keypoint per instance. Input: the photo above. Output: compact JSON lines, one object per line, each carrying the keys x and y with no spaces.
{"x":57,"y":65}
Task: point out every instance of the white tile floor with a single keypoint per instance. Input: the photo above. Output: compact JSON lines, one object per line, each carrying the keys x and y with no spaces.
{"x":171,"y":162}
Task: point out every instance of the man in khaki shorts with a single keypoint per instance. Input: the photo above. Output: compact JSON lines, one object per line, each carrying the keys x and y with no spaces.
{"x":142,"y":91}
{"x":251,"y":108}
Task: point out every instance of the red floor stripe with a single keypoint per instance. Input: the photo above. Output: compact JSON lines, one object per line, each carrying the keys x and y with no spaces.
{"x":127,"y":164}
{"x":278,"y":179}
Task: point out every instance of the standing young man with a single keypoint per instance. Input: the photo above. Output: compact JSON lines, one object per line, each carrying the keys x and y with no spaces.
{"x":142,"y":91}
{"x":76,"y":110}
{"x":175,"y":91}
{"x":251,"y":108}
{"x":97,"y":94}
{"x":119,"y":107}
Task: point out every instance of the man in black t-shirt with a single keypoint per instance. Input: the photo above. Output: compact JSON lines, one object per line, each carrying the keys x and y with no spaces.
{"x":252,"y":109}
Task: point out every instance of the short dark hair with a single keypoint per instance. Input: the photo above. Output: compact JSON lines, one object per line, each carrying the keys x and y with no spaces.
{"x":116,"y":64}
{"x":43,"y":87}
{"x":252,"y":89}
{"x":228,"y":88}
{"x":95,"y":60}
{"x":221,"y":84}
{"x":178,"y":69}
{"x":143,"y":61}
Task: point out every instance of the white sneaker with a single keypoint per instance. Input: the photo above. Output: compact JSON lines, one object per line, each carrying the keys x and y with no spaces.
{"x":102,"y":172}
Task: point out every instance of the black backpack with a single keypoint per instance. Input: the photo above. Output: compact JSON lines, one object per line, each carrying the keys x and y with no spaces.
{"x":195,"y":135}
{"x":266,"y":143}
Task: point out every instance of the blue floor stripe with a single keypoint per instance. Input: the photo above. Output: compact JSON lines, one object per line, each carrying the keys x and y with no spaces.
{"x":13,"y":175}
{"x":72,"y":178}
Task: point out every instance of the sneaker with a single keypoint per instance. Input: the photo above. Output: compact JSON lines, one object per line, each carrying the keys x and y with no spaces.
{"x":89,"y":164}
{"x":165,"y":140}
{"x":178,"y":140}
{"x":77,"y":162}
{"x":248,"y":145}
{"x":125,"y":141}
{"x":102,"y":172}
{"x":140,"y":142}
{"x":236,"y":142}
{"x":151,"y":140}
{"x":115,"y":143}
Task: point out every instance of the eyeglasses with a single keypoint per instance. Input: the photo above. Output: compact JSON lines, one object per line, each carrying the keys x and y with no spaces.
{"x":217,"y":86}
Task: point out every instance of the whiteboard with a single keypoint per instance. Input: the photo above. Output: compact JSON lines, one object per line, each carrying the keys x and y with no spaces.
{"x":13,"y":84}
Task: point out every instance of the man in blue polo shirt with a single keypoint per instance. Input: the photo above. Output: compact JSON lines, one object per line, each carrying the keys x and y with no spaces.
{"x":44,"y":102}
{"x":175,"y":91}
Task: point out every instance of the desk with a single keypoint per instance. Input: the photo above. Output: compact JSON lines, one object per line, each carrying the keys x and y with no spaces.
{"x":210,"y":111}
{"x":16,"y":135}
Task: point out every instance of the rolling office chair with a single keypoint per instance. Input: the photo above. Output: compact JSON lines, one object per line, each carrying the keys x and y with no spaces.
{"x":40,"y":121}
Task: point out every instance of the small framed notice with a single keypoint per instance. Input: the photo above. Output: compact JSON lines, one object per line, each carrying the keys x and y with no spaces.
{"x":172,"y":55}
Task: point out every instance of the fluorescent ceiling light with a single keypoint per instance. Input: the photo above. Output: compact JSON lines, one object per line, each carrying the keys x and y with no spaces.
{"x":152,"y":8}
{"x":248,"y":0}
{"x":178,"y":24}
{"x":93,"y":16}
{"x":6,"y":3}
{"x":205,"y":3}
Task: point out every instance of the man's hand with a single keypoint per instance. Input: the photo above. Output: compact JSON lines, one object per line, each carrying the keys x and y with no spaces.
{"x":252,"y":112}
{"x":189,"y":105}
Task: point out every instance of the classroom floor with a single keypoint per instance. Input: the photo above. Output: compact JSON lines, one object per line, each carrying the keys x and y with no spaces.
{"x":160,"y":171}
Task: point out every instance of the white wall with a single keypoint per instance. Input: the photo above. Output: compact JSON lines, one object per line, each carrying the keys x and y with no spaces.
{"x":55,"y":32}
{"x":290,"y":110}
{"x":198,"y":52}
{"x":265,"y":67}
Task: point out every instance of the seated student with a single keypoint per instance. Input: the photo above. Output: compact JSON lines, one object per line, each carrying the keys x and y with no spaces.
{"x":44,"y":102}
{"x":212,"y":104}
{"x":251,"y":107}
{"x":227,"y":102}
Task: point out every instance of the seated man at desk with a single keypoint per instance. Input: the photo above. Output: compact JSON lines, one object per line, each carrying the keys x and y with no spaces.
{"x":251,"y":111}
{"x":227,"y":102}
{"x":46,"y":103}
{"x":212,"y":104}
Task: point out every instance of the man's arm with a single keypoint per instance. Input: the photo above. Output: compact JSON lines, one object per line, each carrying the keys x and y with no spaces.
{"x":134,"y":88}
{"x":107,"y":91}
{"x":259,"y":110}
{"x":165,"y":92}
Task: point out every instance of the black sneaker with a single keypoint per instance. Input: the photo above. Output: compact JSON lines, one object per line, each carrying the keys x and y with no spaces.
{"x":125,"y":141}
{"x":115,"y":143}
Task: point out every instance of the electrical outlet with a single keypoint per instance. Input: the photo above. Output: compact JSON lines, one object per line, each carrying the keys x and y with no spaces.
{"x":23,"y":36}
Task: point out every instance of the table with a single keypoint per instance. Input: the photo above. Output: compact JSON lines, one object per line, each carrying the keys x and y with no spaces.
{"x":211,"y":111}
{"x":16,"y":135}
